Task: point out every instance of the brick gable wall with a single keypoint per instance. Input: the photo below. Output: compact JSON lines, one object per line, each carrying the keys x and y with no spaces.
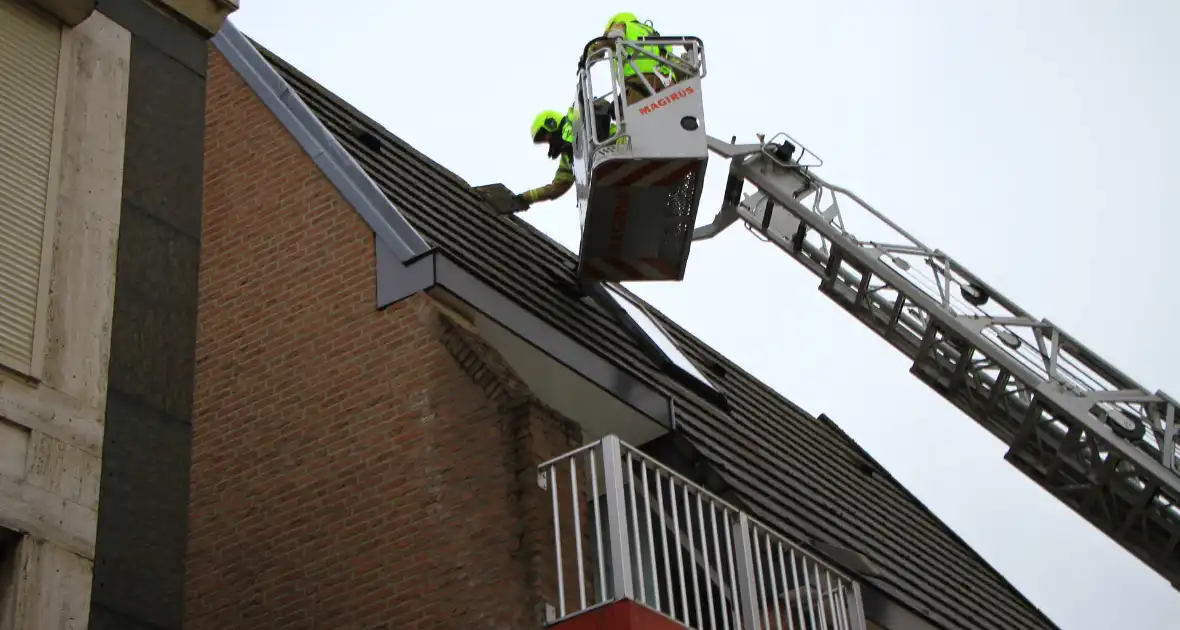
{"x":351,"y":468}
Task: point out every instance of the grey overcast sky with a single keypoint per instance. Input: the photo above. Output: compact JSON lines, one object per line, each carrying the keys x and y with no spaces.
{"x":1033,"y":140}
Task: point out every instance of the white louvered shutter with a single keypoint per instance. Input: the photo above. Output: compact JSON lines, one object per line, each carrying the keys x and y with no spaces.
{"x":29,"y":47}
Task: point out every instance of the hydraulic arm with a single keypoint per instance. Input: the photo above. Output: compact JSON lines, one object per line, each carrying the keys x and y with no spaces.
{"x":1087,"y":433}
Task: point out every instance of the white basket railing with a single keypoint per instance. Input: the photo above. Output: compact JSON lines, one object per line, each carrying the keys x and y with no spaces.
{"x":627,"y":527}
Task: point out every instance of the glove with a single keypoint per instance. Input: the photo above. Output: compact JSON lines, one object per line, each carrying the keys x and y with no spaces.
{"x":520,"y":203}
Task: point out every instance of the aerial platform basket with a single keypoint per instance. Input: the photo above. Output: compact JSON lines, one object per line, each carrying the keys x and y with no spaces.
{"x":638,"y":188}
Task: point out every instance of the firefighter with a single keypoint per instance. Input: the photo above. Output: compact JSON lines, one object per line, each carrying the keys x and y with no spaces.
{"x":557,"y":133}
{"x":658,"y":75}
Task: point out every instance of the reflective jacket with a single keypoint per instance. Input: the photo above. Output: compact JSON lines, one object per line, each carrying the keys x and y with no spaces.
{"x":632,"y":30}
{"x":563,"y":179}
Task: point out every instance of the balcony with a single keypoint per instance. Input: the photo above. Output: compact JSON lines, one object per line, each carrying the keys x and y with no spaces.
{"x":628,"y":529}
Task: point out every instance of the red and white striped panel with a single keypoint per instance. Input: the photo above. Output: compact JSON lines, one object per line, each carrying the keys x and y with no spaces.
{"x":643,"y":173}
{"x":618,"y":176}
{"x":616,"y":269}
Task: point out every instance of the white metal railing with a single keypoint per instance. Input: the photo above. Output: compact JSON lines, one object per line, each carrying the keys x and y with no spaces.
{"x":627,"y":527}
{"x":603,"y":84}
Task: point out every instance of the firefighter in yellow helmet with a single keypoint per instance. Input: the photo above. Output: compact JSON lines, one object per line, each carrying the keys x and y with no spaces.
{"x":658,"y":75}
{"x":556,"y":131}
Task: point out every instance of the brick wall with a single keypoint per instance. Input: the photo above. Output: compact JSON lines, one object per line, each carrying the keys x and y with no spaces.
{"x":538,"y":435}
{"x":351,"y":468}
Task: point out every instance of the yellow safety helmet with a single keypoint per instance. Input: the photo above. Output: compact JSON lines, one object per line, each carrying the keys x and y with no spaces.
{"x":545,"y":121}
{"x":620,"y":17}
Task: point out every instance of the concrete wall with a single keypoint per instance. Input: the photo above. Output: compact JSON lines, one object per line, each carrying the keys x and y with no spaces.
{"x":139,"y":556}
{"x":51,"y":432}
{"x":115,"y":400}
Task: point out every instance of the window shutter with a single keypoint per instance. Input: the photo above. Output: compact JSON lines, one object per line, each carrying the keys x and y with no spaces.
{"x":29,"y":47}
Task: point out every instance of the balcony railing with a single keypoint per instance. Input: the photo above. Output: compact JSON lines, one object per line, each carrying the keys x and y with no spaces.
{"x":627,"y":527}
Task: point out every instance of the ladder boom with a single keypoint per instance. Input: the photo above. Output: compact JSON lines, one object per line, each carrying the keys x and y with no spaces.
{"x":1077,"y":426}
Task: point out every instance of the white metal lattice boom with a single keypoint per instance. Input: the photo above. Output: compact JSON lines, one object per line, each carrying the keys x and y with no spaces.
{"x":1087,"y":433}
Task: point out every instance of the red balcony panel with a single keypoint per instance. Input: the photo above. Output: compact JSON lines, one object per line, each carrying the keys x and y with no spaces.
{"x":621,"y":615}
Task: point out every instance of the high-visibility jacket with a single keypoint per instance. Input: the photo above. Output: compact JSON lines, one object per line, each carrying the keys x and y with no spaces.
{"x":632,"y":29}
{"x":563,"y":179}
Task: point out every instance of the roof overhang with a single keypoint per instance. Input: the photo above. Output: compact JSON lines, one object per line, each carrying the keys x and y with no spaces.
{"x":70,"y":12}
{"x":562,"y":373}
{"x":887,"y":613}
{"x":206,"y":15}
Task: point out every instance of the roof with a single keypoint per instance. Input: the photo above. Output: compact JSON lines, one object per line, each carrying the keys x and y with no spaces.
{"x":796,"y":472}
